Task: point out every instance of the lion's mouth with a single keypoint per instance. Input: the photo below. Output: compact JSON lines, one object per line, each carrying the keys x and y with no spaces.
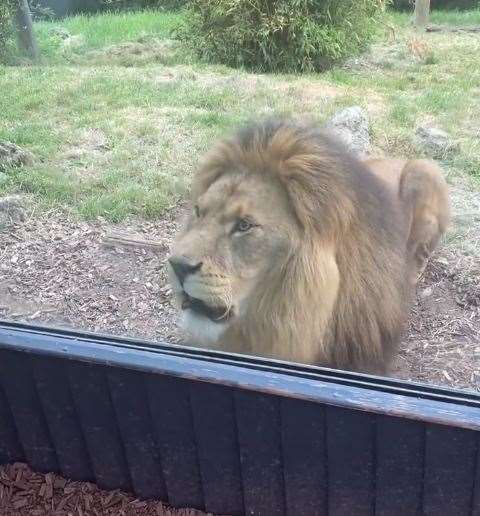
{"x":215,"y":314}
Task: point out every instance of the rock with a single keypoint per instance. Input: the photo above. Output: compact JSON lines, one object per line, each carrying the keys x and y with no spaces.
{"x":12,"y":155}
{"x":59,"y":32}
{"x":427,"y":292}
{"x":12,"y":210}
{"x":73,"y":43}
{"x":434,"y":141}
{"x":352,"y":126}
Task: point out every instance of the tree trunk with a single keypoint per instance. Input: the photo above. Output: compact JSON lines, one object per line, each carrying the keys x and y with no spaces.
{"x":26,"y":36}
{"x":422,"y":11}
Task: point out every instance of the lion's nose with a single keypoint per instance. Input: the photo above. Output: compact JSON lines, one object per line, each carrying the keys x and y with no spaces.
{"x":183,"y":266}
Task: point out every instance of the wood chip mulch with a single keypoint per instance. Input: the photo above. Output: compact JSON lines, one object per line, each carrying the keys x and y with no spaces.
{"x":25,"y":493}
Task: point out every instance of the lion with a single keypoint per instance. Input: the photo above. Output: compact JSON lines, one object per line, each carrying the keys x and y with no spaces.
{"x":296,"y":250}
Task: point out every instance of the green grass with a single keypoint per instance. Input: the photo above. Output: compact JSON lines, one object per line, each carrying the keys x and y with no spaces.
{"x":447,"y":17}
{"x":103,"y":30}
{"x":118,"y":132}
{"x":460,"y":18}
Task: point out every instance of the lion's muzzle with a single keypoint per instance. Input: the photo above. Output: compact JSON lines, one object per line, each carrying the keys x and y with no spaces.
{"x":199,"y":290}
{"x":183,"y":267}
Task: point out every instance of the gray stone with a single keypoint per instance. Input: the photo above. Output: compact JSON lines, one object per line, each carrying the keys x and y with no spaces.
{"x":352,"y":127}
{"x":12,"y":210}
{"x":434,"y":141}
{"x":59,"y":32}
{"x":73,"y":43}
{"x":12,"y":155}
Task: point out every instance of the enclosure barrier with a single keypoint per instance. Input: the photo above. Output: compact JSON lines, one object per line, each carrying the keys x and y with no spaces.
{"x":234,"y":435}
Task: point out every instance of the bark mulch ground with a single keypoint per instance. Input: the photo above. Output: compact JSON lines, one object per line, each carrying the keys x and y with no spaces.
{"x":25,"y":493}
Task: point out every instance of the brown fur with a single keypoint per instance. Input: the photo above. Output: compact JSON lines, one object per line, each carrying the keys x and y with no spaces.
{"x":423,"y":195}
{"x":326,"y":281}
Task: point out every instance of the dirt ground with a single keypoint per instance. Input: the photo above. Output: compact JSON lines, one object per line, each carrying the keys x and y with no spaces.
{"x":58,"y":271}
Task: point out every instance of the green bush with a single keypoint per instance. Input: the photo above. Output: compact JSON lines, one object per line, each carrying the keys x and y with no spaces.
{"x":6,"y":12}
{"x":279,"y":35}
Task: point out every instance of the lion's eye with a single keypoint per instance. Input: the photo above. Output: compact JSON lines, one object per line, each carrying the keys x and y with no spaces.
{"x":197,"y":211}
{"x":243,"y":225}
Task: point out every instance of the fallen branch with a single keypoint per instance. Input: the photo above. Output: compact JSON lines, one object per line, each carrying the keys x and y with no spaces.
{"x":118,"y":239}
{"x":436,"y":28}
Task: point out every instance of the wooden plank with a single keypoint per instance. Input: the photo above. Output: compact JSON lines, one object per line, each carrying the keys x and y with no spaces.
{"x":10,"y":447}
{"x":454,"y":408}
{"x":399,"y":466}
{"x":258,"y":423}
{"x":172,"y":422}
{"x":218,"y":453}
{"x":450,"y":463}
{"x":66,"y":433}
{"x":27,"y":411}
{"x":91,"y":397}
{"x":129,"y":397}
{"x":350,"y":441}
{"x":304,"y":458}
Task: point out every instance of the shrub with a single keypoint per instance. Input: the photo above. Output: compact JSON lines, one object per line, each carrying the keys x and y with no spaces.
{"x":6,"y":13}
{"x":279,"y":35}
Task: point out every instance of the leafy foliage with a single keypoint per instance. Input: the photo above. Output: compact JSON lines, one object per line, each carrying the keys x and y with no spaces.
{"x":280,"y":35}
{"x":6,"y":12}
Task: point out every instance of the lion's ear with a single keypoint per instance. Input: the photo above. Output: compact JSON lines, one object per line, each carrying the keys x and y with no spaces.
{"x":314,"y":185}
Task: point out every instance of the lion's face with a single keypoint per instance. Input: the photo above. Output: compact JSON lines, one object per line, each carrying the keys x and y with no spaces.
{"x":240,"y":228}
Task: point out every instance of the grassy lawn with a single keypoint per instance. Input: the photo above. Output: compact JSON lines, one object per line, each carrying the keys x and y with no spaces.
{"x":117,"y":115}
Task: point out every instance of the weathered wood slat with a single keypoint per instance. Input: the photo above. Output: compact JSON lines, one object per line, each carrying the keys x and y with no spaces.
{"x":399,"y":467}
{"x":172,"y":422}
{"x":217,"y":443}
{"x":129,"y":397}
{"x":450,"y":455}
{"x":258,"y":422}
{"x":21,"y":393}
{"x":351,"y":462}
{"x":305,"y":458}
{"x":65,"y":431}
{"x":91,"y":397}
{"x":10,"y":446}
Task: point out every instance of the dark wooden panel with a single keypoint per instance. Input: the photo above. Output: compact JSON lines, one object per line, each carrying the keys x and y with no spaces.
{"x":172,"y":421}
{"x":27,"y":411}
{"x":304,"y":458}
{"x":476,"y":486}
{"x":350,"y":440}
{"x":347,"y":390}
{"x":450,"y":457}
{"x":129,"y":398}
{"x":91,"y":396}
{"x":258,"y":422}
{"x":10,"y":447}
{"x":399,"y":472}
{"x":216,"y":438}
{"x":65,"y":431}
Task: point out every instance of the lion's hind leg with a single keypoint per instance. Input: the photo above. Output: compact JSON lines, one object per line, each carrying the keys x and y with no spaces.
{"x":424,"y":193}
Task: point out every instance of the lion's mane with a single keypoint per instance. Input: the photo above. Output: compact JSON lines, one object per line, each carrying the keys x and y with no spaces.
{"x":342,"y":300}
